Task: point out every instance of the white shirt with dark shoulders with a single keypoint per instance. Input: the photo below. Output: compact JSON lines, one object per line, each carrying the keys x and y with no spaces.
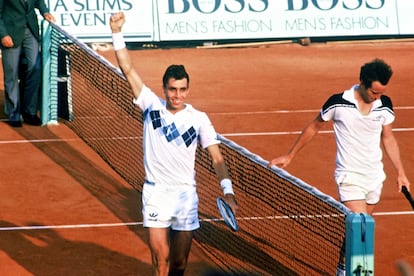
{"x":358,"y":136}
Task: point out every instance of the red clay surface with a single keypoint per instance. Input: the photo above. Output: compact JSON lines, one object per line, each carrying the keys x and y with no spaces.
{"x":254,"y":96}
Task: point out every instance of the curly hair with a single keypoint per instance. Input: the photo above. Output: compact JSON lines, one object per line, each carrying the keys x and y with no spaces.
{"x":376,"y":70}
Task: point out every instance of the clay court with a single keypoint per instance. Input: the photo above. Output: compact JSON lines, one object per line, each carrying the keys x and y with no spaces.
{"x":64,"y":211}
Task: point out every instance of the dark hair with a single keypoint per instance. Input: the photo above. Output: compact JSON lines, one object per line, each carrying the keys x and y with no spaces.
{"x":376,"y":70}
{"x":176,"y":72}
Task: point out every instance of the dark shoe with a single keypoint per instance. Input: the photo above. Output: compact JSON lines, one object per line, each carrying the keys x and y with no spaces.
{"x":32,"y":120}
{"x":15,"y":123}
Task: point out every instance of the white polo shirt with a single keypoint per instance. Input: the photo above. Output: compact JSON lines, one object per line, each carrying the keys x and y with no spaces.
{"x":170,"y":140}
{"x":358,"y":136}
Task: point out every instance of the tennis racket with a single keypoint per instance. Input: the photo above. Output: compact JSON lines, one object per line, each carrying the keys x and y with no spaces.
{"x":408,"y":196}
{"x":227,"y":214}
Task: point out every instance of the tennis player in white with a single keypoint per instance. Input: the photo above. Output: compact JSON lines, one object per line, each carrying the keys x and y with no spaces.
{"x":362,"y":117}
{"x":172,"y":130}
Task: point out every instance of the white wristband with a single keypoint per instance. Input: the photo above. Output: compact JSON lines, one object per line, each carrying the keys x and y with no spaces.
{"x":226,"y":186}
{"x":118,"y":41}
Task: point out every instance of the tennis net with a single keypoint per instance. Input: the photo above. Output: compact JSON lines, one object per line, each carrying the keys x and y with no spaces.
{"x":287,"y":227}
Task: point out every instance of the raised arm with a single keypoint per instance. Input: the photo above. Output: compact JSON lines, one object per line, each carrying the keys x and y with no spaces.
{"x":393,"y":152}
{"x":305,"y":137}
{"x":124,"y":61}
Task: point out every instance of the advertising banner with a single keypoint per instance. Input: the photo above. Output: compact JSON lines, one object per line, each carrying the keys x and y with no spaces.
{"x":405,"y":17}
{"x":240,"y":19}
{"x":181,"y":20}
{"x":88,"y":20}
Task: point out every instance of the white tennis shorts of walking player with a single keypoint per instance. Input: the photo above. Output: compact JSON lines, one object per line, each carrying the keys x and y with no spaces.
{"x":352,"y":186}
{"x":174,"y":206}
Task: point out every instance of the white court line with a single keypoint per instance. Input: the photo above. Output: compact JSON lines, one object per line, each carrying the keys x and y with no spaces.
{"x":274,"y":133}
{"x":123,"y":224}
{"x":34,"y":141}
{"x":290,"y":111}
{"x":266,"y":112}
{"x":393,"y":213}
{"x":39,"y":141}
{"x":73,"y":226}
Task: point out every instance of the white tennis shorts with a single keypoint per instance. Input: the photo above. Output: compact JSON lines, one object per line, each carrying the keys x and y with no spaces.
{"x":174,"y":206}
{"x":352,"y":186}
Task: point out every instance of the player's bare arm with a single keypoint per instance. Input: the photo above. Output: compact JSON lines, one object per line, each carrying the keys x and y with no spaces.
{"x":221,"y":172}
{"x":117,"y":20}
{"x":305,"y":137}
{"x":393,"y":152}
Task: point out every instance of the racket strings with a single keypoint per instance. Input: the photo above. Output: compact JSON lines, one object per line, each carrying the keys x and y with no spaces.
{"x":227,"y":214}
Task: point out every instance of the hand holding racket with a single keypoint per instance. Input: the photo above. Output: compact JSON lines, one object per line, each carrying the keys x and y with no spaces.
{"x":227,"y":213}
{"x":408,"y":196}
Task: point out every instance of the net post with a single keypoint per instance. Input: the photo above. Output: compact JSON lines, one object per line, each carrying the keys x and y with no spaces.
{"x":49,"y":82}
{"x":359,"y":244}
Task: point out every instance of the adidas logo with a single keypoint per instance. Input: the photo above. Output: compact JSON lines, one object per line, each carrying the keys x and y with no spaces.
{"x":153,"y":216}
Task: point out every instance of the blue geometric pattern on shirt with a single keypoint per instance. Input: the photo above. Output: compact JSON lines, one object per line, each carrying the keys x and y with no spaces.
{"x":189,"y":136}
{"x":170,"y":132}
{"x":155,"y":118}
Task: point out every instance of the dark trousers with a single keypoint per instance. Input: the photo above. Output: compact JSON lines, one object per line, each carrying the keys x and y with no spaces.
{"x":27,"y":100}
